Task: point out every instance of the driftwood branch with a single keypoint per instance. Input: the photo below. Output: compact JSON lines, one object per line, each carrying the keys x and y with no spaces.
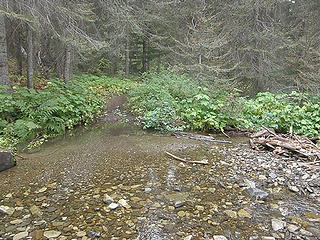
{"x":199,"y":137}
{"x":204,"y":162}
{"x":288,"y":144}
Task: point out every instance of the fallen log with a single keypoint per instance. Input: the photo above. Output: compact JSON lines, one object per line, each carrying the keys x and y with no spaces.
{"x":204,"y":162}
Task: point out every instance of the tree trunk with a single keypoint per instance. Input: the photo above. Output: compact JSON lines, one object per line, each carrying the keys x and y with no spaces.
{"x":30,"y":58}
{"x":4,"y":74}
{"x":67,"y":65}
{"x":159,"y":63}
{"x":127,"y":67}
{"x":18,"y":53}
{"x":144,"y":55}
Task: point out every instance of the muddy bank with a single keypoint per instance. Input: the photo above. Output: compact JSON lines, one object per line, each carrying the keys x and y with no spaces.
{"x":114,"y":181}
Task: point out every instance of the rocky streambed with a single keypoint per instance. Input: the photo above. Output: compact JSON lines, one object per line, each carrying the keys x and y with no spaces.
{"x":113,"y":181}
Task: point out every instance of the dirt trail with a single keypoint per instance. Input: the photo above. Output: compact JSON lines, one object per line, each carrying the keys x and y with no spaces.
{"x":115,"y":110}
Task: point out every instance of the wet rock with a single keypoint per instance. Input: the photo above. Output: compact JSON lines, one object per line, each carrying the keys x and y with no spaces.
{"x":178,"y":204}
{"x":124,"y":203}
{"x":51,"y":234}
{"x":15,"y":222}
{"x":36,"y":235}
{"x":6,"y":161}
{"x":181,"y":213}
{"x":305,"y":232}
{"x":314,"y":231}
{"x":231,"y":214}
{"x":200,"y":208}
{"x":219,"y":237}
{"x":243,"y":213}
{"x":92,"y":234}
{"x":6,"y":210}
{"x":256,"y":193}
{"x":81,"y":234}
{"x":292,"y":228}
{"x":277,"y":224}
{"x":20,"y":235}
{"x":35,"y":211}
{"x":294,"y":189}
{"x":41,"y":190}
{"x":107,"y":199}
{"x":147,"y":189}
{"x":113,"y":206}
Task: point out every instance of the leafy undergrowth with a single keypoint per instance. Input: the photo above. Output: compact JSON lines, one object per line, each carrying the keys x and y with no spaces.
{"x":28,"y":115}
{"x":165,"y":102}
{"x":168,"y":102}
{"x":281,"y":111}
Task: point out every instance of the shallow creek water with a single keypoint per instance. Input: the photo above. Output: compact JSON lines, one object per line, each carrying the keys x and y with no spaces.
{"x":60,"y":189}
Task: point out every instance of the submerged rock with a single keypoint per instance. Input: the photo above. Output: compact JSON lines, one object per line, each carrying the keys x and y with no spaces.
{"x":107,"y":199}
{"x":219,"y":237}
{"x":92,"y":234}
{"x":20,"y":235}
{"x":6,"y":161}
{"x":278,"y":224}
{"x":256,"y":193}
{"x":124,"y":203}
{"x":6,"y":210}
{"x":113,"y":206}
{"x":52,"y":234}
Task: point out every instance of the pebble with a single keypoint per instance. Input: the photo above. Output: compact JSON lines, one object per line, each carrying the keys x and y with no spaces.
{"x":292,"y":228}
{"x":15,"y":222}
{"x":81,"y":234}
{"x":268,"y":238}
{"x":113,"y":206}
{"x":51,"y":234}
{"x":256,"y":193}
{"x":243,"y":213}
{"x":92,"y":234}
{"x":293,"y":189}
{"x":277,"y":224}
{"x":6,"y":210}
{"x":219,"y":237}
{"x":200,"y":208}
{"x":123,"y":203}
{"x":305,"y":232}
{"x":178,"y":204}
{"x":147,"y":189}
{"x":36,"y":211}
{"x":20,"y":235}
{"x":36,"y":235}
{"x":181,"y":213}
{"x":107,"y":199}
{"x":230,"y":213}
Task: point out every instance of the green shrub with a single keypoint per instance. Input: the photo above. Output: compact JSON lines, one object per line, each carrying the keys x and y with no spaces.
{"x":28,"y":114}
{"x":281,"y":111}
{"x":168,"y":101}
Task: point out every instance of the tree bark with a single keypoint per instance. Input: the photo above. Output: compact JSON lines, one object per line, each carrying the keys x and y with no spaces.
{"x":127,"y":70}
{"x":4,"y":73}
{"x":67,"y":65}
{"x":144,"y":55}
{"x":30,"y":58}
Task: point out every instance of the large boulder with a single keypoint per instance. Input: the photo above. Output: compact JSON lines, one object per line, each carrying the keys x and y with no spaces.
{"x":6,"y":161}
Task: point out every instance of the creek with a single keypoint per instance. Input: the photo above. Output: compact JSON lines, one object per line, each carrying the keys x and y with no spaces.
{"x":114,"y":181}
